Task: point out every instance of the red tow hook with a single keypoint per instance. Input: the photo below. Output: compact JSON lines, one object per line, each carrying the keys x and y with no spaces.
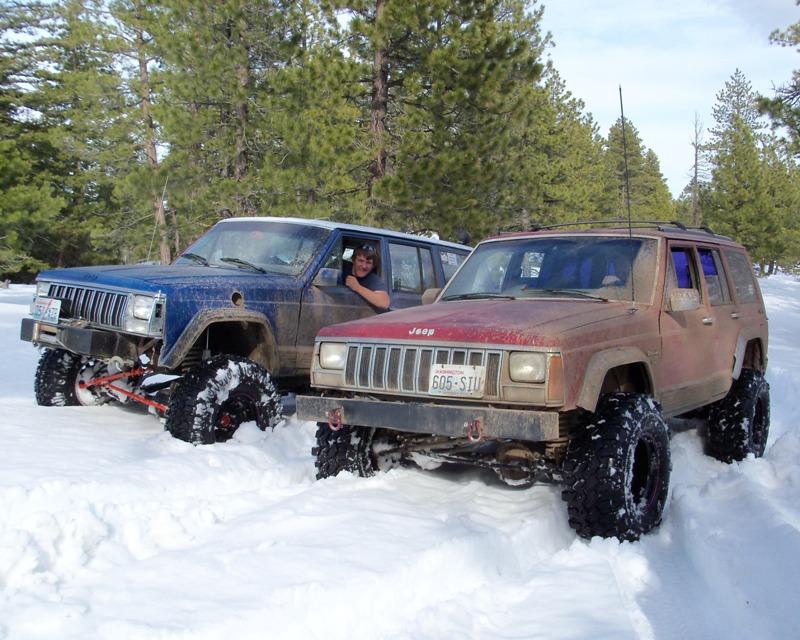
{"x":334,"y":419}
{"x":474,"y":430}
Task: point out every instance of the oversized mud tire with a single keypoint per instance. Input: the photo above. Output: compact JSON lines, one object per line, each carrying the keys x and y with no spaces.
{"x":739,"y":423}
{"x":58,"y":374}
{"x":347,"y":449}
{"x":213,"y":399}
{"x":617,"y":469}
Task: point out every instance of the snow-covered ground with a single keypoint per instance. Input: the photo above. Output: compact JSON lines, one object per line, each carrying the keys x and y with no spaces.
{"x":110,"y":528}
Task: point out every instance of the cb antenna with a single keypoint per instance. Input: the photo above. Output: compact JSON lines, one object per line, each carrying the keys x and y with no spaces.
{"x":627,"y":199}
{"x":625,"y":159}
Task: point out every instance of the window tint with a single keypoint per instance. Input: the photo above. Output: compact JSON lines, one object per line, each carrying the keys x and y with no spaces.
{"x":714,"y":275}
{"x":743,"y":276}
{"x":682,"y":275}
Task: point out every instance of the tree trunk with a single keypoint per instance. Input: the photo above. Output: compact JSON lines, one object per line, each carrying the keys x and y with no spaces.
{"x":151,"y":149}
{"x":380,"y":100}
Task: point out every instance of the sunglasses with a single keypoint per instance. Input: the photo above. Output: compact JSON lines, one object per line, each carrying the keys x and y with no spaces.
{"x":367,"y":247}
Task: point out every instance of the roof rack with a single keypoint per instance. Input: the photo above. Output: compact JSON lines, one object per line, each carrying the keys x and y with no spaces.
{"x":661,"y":225}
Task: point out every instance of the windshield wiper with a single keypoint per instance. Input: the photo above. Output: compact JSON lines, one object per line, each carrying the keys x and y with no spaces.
{"x":573,"y":292}
{"x":477,"y":296}
{"x":243,"y":263}
{"x":194,"y":257}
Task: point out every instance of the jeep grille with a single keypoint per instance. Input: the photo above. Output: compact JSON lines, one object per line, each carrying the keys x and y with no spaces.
{"x":406,"y":369}
{"x":104,"y":308}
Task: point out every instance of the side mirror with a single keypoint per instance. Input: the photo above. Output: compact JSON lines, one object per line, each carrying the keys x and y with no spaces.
{"x":429,"y":295}
{"x":683,"y":300}
{"x":328,"y":278}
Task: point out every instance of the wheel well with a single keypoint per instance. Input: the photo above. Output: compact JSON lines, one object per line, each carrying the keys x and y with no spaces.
{"x":754,"y":356}
{"x":238,"y":338}
{"x":628,"y":378}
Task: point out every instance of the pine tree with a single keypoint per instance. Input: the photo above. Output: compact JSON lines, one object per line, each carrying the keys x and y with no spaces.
{"x":448,"y":80}
{"x":634,"y":180}
{"x":738,"y":203}
{"x":554,"y":169}
{"x":784,"y":107}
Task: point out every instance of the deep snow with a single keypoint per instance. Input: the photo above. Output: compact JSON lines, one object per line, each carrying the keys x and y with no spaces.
{"x":110,"y":528}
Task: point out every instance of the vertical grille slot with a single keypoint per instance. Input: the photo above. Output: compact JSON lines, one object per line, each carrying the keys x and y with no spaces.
{"x":393,"y":372}
{"x":350,"y":367}
{"x":492,"y":387}
{"x":424,"y":371}
{"x":378,"y":370}
{"x":363,"y":367}
{"x":409,"y":369}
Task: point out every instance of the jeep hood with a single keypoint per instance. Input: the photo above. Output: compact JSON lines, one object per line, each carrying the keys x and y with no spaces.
{"x":160,"y":278}
{"x":508,"y":322}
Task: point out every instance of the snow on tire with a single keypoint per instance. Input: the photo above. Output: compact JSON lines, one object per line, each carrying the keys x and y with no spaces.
{"x":215,"y":397}
{"x":617,"y":469}
{"x":58,"y":376}
{"x":346,"y":449}
{"x":739,"y":423}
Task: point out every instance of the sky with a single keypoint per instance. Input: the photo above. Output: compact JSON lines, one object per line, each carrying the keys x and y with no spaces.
{"x":671,"y":58}
{"x":111,"y":529}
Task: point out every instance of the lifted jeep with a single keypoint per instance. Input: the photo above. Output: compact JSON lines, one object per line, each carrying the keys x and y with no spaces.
{"x":212,"y":340}
{"x":556,"y":355}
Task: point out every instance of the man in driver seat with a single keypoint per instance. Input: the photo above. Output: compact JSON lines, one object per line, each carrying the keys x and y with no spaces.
{"x":364,"y":279}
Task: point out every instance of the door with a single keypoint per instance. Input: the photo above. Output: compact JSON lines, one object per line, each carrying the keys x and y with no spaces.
{"x":327,"y":301}
{"x":693,"y":370}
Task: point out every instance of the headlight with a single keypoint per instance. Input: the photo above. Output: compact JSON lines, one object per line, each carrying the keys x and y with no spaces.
{"x":527,"y":367}
{"x":142,"y":307}
{"x":139,"y":314}
{"x":42,"y":289}
{"x":332,"y":355}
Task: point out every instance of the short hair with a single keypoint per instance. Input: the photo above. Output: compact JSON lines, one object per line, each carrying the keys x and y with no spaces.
{"x":368,"y":251}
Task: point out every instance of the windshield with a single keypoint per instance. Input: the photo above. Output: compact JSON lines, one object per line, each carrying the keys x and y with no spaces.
{"x":264,"y":246}
{"x":586,"y":267}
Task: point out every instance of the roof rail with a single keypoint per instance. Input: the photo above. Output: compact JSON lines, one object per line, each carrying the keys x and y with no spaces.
{"x":661,"y":225}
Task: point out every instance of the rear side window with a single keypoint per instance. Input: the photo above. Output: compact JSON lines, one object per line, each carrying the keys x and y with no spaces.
{"x":412,"y":268}
{"x":743,"y":276}
{"x":451,"y":261}
{"x":714,"y":275}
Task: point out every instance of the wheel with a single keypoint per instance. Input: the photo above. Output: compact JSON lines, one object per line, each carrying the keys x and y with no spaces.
{"x":58,"y":378}
{"x":348,"y":449}
{"x":617,"y":469}
{"x":215,"y":397}
{"x":739,"y":423}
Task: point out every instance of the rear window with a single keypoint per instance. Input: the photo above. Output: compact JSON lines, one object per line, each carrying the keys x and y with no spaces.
{"x":743,"y":277}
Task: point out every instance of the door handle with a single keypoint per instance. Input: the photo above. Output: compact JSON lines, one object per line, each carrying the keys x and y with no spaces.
{"x":708,"y":320}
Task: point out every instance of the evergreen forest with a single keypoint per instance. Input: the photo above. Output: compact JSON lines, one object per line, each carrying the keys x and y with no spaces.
{"x":128,"y":127}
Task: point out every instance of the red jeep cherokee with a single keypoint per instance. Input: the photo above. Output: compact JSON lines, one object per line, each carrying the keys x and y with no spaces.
{"x":557,"y":355}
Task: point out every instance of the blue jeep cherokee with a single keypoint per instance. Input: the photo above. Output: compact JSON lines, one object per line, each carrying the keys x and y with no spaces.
{"x":213,"y":339}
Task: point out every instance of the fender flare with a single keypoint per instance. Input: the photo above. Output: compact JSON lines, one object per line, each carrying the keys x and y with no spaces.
{"x":172,"y":357}
{"x":600,"y":364}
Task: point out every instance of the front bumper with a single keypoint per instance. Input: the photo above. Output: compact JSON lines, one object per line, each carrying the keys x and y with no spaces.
{"x":94,"y":343}
{"x":445,"y":420}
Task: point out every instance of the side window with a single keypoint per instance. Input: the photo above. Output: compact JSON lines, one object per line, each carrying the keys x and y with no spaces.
{"x":451,"y":261}
{"x":714,"y":275}
{"x":341,"y":255}
{"x":682,"y":273}
{"x":407,"y":272}
{"x":743,"y":276}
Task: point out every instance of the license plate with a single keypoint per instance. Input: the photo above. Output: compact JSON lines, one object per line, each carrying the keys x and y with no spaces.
{"x":46,"y":310}
{"x":458,"y":380}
